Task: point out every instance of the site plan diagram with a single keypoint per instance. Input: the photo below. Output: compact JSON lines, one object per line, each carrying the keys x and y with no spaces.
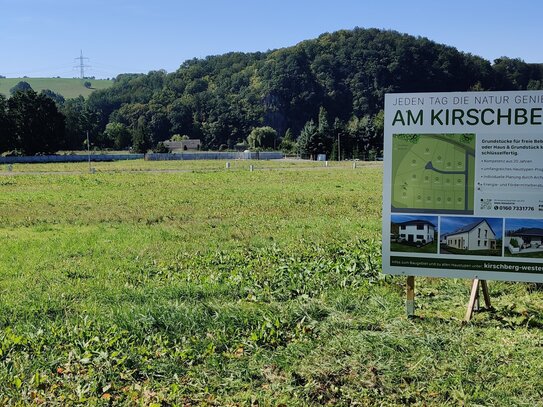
{"x":433,"y":173}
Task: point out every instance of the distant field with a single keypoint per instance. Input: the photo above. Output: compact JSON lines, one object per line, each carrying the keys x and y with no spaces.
{"x":67,"y":87}
{"x":178,"y":166}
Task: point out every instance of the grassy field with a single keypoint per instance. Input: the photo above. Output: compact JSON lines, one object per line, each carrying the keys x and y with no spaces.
{"x":67,"y":87}
{"x":178,"y":166}
{"x":215,"y":287}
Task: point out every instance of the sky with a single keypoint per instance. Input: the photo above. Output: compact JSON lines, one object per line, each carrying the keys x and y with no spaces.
{"x":515,"y":224}
{"x":42,"y":38}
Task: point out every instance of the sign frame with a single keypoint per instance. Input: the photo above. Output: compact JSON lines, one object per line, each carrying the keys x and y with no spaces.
{"x":473,"y":139}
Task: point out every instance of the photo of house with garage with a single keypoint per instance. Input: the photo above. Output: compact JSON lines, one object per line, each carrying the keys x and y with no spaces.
{"x":469,"y":235}
{"x":523,"y":238}
{"x":412,"y":233}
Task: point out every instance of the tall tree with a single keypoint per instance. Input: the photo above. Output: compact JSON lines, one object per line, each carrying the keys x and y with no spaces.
{"x":7,"y":141}
{"x":262,"y":137}
{"x":80,"y":119}
{"x":37,"y":124}
{"x":288,"y":143}
{"x":118,"y":135}
{"x":325,"y":131}
{"x":340,"y":138}
{"x":141,"y":141}
{"x":310,"y":141}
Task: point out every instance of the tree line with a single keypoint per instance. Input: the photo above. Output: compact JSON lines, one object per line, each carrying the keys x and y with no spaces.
{"x":321,"y":96}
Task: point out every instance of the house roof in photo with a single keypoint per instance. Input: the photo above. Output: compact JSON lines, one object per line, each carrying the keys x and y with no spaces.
{"x":469,"y":227}
{"x":528,"y":232}
{"x":416,"y":222}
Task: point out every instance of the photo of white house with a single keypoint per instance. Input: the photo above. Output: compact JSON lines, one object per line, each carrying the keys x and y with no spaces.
{"x":417,"y":231}
{"x":414,"y":233}
{"x":523,"y":237}
{"x":467,"y":235}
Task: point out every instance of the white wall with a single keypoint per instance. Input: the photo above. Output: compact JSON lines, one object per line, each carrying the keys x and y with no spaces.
{"x":427,"y":233}
{"x":458,"y":241}
{"x":480,"y":237}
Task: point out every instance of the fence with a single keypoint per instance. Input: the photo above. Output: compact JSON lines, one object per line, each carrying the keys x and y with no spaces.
{"x":262,"y":155}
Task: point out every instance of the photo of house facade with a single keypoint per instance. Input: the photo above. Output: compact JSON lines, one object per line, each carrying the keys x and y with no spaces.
{"x":475,"y":236}
{"x":524,"y":237}
{"x":417,"y":231}
{"x":414,"y":233}
{"x":471,"y":236}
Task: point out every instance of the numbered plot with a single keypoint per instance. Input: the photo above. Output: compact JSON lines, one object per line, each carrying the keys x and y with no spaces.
{"x":433,"y":173}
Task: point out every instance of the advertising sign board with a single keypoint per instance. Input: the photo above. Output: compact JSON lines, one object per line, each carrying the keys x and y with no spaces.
{"x":463,"y":185}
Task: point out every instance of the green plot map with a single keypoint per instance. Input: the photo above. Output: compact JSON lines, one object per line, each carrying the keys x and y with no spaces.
{"x":433,"y":173}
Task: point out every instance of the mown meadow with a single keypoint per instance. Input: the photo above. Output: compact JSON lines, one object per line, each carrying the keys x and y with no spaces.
{"x":67,"y":87}
{"x":197,"y":285}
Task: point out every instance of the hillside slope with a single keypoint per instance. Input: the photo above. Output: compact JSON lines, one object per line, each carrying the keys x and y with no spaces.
{"x":67,"y":87}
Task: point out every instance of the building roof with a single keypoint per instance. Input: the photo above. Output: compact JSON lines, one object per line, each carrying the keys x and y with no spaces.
{"x":416,"y":222}
{"x":469,"y":227}
{"x":528,"y":232}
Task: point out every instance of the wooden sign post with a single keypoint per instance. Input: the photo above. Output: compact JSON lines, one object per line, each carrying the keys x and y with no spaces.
{"x":410,"y":301}
{"x":473,"y":304}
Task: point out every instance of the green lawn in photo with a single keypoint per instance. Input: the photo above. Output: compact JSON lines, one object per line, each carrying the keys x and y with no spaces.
{"x":401,"y":247}
{"x":492,"y":252}
{"x":145,"y":285}
{"x":532,"y":255}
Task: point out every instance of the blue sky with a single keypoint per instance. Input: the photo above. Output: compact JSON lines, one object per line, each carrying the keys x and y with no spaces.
{"x":451,"y":224}
{"x":515,"y":224}
{"x":42,"y":37}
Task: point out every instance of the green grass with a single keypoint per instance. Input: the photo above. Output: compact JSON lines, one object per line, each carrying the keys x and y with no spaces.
{"x":215,"y":287}
{"x":67,"y":87}
{"x":533,"y":255}
{"x":428,"y":248}
{"x":490,"y":252}
{"x":187,"y":166}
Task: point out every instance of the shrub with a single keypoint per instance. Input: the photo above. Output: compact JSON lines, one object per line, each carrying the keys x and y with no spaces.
{"x":161,"y":148}
{"x":22,"y":86}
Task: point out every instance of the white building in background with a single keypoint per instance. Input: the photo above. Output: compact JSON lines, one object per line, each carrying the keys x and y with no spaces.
{"x":474,"y":236}
{"x":417,"y":231}
{"x":183,"y":145}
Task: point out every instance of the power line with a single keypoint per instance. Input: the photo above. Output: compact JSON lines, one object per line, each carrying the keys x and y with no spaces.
{"x":82,"y":65}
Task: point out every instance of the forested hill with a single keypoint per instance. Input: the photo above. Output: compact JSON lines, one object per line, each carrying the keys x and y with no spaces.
{"x":310,"y":92}
{"x":221,"y":98}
